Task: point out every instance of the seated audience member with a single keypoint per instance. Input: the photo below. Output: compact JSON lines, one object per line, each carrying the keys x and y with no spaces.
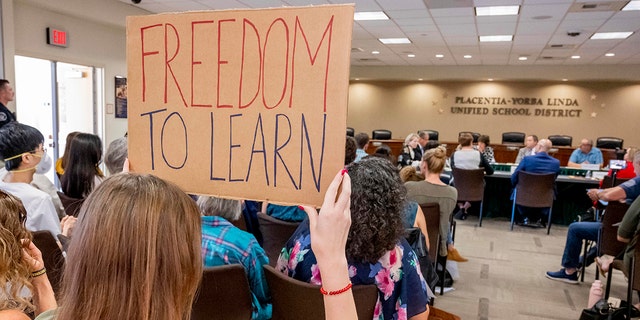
{"x":222,"y":243}
{"x":362,"y":141}
{"x":376,"y":249}
{"x":383,"y":151}
{"x":628,"y":191}
{"x":21,"y":265}
{"x":585,"y":154}
{"x":349,"y":150}
{"x":540,"y":162}
{"x":156,"y":270}
{"x":410,"y":151}
{"x":530,"y":143}
{"x":82,"y":174}
{"x":627,"y":230}
{"x":284,"y":213}
{"x":116,"y":155}
{"x":410,"y":174}
{"x":61,"y":163}
{"x":412,"y":213}
{"x":468,"y":158}
{"x":485,"y":149}
{"x":21,"y":147}
{"x":432,"y":189}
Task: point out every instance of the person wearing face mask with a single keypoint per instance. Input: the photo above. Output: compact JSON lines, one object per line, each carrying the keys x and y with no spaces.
{"x":21,"y":147}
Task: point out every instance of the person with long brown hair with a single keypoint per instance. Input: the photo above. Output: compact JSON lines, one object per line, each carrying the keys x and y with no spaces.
{"x":61,"y":163}
{"x":21,"y":265}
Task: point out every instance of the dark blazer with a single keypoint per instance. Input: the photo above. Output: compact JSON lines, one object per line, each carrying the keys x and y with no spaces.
{"x":541,"y":162}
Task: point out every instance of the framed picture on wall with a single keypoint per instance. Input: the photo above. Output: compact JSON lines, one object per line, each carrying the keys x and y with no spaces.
{"x":121,"y":97}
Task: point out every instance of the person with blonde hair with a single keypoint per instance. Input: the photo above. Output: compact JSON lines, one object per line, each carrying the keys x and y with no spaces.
{"x":21,"y":265}
{"x":432,"y":189}
{"x":136,"y":253}
{"x":411,"y":151}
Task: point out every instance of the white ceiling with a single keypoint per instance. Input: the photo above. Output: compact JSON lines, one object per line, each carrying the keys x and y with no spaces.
{"x":450,"y":27}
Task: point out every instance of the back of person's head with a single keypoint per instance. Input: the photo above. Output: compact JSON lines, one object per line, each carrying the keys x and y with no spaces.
{"x":226,"y":208}
{"x":349,"y":150}
{"x":484,"y":139}
{"x":435,"y":159}
{"x":362,"y":139}
{"x":65,"y":155}
{"x":465,"y":139}
{"x":544,"y":145}
{"x":135,"y":252}
{"x":116,"y":155}
{"x":15,"y":139}
{"x":431,"y":144}
{"x":377,"y":201}
{"x":631,"y":153}
{"x":82,"y":166}
{"x":14,"y":272}
{"x":383,"y":151}
{"x":409,"y":173}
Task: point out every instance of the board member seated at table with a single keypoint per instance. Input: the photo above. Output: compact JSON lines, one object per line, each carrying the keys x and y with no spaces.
{"x":530,"y":143}
{"x":540,"y":162}
{"x":585,"y":154}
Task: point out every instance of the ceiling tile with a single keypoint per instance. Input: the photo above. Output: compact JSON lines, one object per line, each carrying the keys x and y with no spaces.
{"x":487,"y":29}
{"x":458,"y":30}
{"x":401,"y":5}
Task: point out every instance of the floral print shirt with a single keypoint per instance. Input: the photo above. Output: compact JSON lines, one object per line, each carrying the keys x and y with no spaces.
{"x":402,"y":291}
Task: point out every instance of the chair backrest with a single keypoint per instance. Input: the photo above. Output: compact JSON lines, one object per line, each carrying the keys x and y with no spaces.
{"x":561,"y":140}
{"x":275,"y":234}
{"x":52,"y":257}
{"x":609,"y":243}
{"x":607,"y":181}
{"x":240,"y":223}
{"x":351,"y":132}
{"x":293,"y":299}
{"x":609,"y":143}
{"x":469,"y":183}
{"x":475,"y":135}
{"x":636,"y":271}
{"x":381,"y":134}
{"x":513,"y":137}
{"x":433,"y":134}
{"x":71,"y":205}
{"x":431,"y":212}
{"x":223,"y":294}
{"x":535,"y":190}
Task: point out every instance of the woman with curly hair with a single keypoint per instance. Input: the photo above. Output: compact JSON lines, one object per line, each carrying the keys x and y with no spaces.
{"x":377,"y":252}
{"x":21,"y":265}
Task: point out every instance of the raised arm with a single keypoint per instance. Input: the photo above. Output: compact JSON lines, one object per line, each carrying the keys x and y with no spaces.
{"x":43,"y":297}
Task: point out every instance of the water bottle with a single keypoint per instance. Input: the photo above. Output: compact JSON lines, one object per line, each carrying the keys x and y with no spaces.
{"x":588,"y":174}
{"x":595,"y":294}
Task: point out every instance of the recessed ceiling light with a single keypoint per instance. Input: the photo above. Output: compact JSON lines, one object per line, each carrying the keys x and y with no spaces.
{"x":565,"y":80}
{"x":394,"y":40}
{"x":420,"y":79}
{"x":411,"y":55}
{"x":497,"y":11}
{"x":632,"y":5}
{"x":467,"y":56}
{"x":496,"y":38}
{"x":370,"y":15}
{"x":575,"y":57}
{"x":375,"y":52}
{"x":610,"y":35}
{"x":439,"y":56}
{"x":522,"y":58}
{"x":610,"y":54}
{"x":490,"y":79}
{"x":356,"y":79}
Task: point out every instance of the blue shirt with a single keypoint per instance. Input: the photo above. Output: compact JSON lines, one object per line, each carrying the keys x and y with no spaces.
{"x":631,"y":189}
{"x":222,"y":244}
{"x":593,"y":157}
{"x":402,"y":291}
{"x":286,"y":213}
{"x":360,"y":153}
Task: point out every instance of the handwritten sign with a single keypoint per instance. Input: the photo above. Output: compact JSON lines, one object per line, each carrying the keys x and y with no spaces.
{"x":245,"y":104}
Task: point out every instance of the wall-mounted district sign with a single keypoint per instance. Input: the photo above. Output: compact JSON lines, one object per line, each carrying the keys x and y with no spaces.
{"x":247,"y":104}
{"x":517,"y":106}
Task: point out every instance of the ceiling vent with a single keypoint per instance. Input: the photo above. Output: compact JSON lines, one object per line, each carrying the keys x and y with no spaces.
{"x":369,"y":60}
{"x":597,"y":6}
{"x":550,"y":58}
{"x":560,"y":46}
{"x":356,"y":50}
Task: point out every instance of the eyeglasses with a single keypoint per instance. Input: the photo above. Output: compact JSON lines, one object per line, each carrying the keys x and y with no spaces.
{"x":44,"y":150}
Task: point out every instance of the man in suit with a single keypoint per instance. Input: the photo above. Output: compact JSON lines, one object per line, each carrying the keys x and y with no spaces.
{"x":540,"y":162}
{"x":529,"y":145}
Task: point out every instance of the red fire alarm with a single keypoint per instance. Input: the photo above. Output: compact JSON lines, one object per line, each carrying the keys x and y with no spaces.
{"x":56,"y":37}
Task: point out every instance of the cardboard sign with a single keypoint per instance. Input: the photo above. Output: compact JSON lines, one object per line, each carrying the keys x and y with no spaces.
{"x":248,"y":104}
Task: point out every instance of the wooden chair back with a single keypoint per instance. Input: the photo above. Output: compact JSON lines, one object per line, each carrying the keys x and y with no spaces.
{"x":469,"y":183}
{"x":608,"y":243}
{"x":71,"y":205}
{"x":52,"y":257}
{"x":275,"y":234}
{"x":293,"y":299}
{"x":535,"y":190}
{"x":432,"y":217}
{"x":223,"y":294}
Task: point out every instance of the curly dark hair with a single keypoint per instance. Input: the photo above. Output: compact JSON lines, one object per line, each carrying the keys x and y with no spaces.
{"x":377,"y":202}
{"x":349,"y":150}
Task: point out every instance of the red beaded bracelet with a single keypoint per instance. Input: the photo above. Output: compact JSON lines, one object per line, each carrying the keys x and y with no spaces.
{"x":333,"y":293}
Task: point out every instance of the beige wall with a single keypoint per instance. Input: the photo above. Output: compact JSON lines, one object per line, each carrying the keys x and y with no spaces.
{"x":608,"y":109}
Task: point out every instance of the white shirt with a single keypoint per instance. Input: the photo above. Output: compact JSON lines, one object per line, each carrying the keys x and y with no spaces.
{"x":41,"y":214}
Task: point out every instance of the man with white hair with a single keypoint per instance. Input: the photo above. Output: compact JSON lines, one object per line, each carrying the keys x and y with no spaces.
{"x":540,"y":162}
